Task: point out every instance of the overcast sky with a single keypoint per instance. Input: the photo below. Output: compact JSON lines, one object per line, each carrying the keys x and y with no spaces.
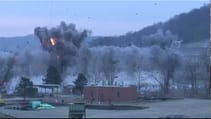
{"x":103,"y":18}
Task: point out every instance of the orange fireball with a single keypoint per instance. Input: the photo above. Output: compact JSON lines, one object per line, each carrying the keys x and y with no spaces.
{"x":52,"y":41}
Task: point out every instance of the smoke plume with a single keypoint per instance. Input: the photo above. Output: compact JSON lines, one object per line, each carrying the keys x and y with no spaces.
{"x":62,"y":42}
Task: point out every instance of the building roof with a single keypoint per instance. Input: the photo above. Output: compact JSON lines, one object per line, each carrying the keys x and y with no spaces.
{"x":109,"y":86}
{"x":48,"y":85}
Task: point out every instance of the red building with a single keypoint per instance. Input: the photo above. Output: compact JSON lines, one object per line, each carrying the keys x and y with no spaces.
{"x":109,"y":94}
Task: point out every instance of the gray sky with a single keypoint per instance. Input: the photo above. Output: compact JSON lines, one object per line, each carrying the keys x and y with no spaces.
{"x":101,"y":17}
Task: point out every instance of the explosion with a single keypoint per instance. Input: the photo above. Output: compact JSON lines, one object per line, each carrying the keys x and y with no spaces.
{"x":62,"y":42}
{"x":52,"y":42}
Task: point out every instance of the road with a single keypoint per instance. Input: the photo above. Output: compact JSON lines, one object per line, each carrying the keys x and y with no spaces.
{"x":200,"y":108}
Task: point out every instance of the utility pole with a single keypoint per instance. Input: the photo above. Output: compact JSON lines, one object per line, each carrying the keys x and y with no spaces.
{"x":210,"y":59}
{"x":24,"y":92}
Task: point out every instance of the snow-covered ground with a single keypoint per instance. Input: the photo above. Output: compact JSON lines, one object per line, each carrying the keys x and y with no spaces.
{"x":145,"y":77}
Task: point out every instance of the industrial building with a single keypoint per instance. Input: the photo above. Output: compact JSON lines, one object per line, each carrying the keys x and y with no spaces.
{"x":107,"y":94}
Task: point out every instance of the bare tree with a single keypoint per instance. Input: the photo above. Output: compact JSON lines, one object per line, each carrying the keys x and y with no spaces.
{"x":6,"y":71}
{"x":197,"y":73}
{"x":134,"y":65}
{"x":94,"y":68}
{"x":27,"y":62}
{"x":84,"y":60}
{"x":205,"y":71}
{"x":166,"y":62}
{"x":109,"y":66}
{"x":191,"y":70}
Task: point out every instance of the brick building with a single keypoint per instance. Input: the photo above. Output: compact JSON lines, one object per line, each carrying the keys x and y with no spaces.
{"x":108,"y":94}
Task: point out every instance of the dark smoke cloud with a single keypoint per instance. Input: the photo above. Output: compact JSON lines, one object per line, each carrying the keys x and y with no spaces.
{"x":62,"y":42}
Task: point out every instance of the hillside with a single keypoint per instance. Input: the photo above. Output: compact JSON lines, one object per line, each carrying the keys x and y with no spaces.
{"x":18,"y":43}
{"x":190,"y":27}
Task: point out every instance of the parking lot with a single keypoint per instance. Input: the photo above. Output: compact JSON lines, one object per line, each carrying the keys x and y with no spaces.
{"x":200,"y":108}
